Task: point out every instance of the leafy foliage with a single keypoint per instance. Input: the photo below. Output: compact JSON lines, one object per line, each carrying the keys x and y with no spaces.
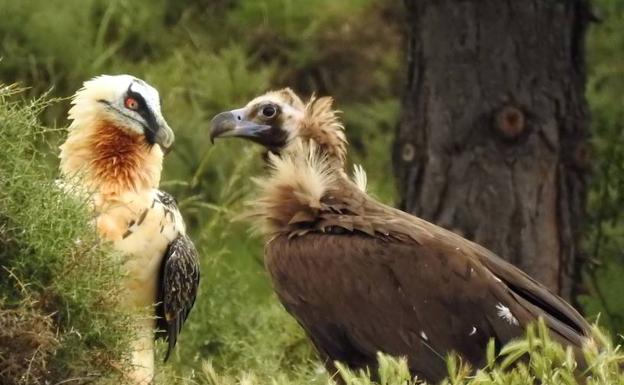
{"x":58,"y":288}
{"x":534,"y":359}
{"x":605,"y":230}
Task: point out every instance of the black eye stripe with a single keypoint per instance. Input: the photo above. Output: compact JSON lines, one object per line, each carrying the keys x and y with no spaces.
{"x":139,"y":98}
{"x":143,"y":109}
{"x":147,"y":114}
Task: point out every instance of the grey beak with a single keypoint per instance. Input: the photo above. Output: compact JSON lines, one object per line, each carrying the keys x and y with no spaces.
{"x":165,"y":137}
{"x":233,"y":124}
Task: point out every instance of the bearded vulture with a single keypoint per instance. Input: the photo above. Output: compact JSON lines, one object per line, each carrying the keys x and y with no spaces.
{"x":113,"y":155}
{"x":362,"y":277}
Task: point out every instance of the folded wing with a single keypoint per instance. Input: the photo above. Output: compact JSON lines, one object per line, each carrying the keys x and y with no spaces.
{"x":179,"y":281}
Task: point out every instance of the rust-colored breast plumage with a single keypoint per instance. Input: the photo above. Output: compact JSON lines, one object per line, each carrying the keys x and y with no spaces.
{"x":103,"y":158}
{"x":118,"y":158}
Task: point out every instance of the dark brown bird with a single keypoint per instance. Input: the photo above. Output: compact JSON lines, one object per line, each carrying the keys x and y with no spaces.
{"x":362,"y":277}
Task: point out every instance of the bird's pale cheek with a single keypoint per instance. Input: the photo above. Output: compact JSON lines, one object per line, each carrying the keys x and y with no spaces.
{"x":135,"y":129}
{"x":127,"y":125}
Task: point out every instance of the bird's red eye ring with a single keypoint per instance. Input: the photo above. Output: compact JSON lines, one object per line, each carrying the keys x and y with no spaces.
{"x":131,"y":103}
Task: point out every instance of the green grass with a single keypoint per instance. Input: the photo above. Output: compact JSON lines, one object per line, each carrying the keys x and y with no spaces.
{"x":533,"y":359}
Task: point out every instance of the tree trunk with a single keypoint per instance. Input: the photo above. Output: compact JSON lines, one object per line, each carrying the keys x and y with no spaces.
{"x":493,"y":139}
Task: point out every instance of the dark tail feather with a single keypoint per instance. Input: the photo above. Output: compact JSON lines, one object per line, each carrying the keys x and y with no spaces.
{"x":172,"y":338}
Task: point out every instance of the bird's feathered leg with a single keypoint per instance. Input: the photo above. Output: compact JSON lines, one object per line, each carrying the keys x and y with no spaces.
{"x":142,"y":358}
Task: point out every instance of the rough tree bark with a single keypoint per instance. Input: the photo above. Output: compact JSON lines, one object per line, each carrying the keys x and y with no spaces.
{"x":494,"y":132}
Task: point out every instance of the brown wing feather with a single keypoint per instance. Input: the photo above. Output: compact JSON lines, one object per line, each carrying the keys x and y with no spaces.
{"x":362,"y":277}
{"x":562,"y":318}
{"x":536,"y":299}
{"x":355,"y":295}
{"x":179,"y":282}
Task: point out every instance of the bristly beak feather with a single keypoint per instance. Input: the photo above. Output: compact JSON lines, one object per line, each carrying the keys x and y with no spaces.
{"x":232,"y":124}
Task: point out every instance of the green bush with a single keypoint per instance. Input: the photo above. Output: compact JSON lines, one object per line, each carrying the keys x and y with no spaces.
{"x":57,"y":286}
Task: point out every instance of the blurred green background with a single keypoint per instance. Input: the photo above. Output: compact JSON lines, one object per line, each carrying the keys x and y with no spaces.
{"x":206,"y":56}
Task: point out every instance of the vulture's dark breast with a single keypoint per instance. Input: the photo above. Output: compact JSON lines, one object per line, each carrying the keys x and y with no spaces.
{"x":356,"y":294}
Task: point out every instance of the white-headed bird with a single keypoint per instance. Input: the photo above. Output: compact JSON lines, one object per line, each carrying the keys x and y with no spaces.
{"x":114,"y":153}
{"x":362,"y":277}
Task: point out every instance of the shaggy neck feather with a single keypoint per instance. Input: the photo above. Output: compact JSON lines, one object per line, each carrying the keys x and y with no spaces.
{"x":292,"y":193}
{"x":321,"y":125}
{"x":109,"y":160}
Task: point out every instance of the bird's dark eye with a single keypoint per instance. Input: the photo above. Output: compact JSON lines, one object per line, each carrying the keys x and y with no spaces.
{"x":131,"y":103}
{"x":269,"y":111}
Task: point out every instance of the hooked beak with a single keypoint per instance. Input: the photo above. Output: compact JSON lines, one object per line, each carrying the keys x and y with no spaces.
{"x":165,"y":137}
{"x":233,"y":124}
